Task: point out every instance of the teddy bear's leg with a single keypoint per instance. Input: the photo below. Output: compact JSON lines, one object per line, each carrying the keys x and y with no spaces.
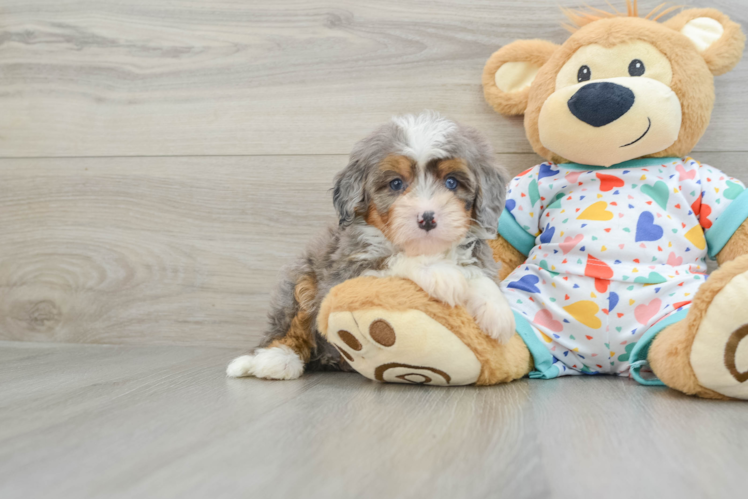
{"x":390,"y":330}
{"x":706,"y":354}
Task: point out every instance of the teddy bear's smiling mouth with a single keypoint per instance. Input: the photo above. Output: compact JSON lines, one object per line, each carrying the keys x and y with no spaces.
{"x":642,"y":136}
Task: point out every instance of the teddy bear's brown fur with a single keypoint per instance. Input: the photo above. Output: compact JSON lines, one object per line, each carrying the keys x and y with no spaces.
{"x":693,"y":72}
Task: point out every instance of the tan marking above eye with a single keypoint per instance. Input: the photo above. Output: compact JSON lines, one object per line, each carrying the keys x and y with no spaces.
{"x":451,"y":166}
{"x":350,"y":340}
{"x":382,"y":333}
{"x":401,"y":165}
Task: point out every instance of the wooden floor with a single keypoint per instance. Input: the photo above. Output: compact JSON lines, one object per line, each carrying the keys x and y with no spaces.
{"x":160,"y":161}
{"x":129,"y":421}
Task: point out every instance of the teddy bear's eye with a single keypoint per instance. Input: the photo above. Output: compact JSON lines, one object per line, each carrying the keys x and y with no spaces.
{"x":584,"y":74}
{"x":636,"y":68}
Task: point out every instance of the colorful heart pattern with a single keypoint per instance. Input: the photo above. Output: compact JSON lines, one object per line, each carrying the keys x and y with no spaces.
{"x":596,"y":211}
{"x":569,"y":243}
{"x":544,"y":319}
{"x":645,"y":312}
{"x":696,"y":236}
{"x":673,"y":260}
{"x":659,"y":192}
{"x":617,"y":250}
{"x":585,"y":312}
{"x":526,"y":283}
{"x":609,"y":182}
{"x":596,"y":268}
{"x":646,"y":229}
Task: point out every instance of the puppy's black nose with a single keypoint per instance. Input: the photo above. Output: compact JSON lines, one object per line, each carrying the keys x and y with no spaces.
{"x":601,"y":103}
{"x":427,"y":221}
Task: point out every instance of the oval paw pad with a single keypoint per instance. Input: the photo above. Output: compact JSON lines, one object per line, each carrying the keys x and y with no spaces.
{"x":349,"y":340}
{"x":406,"y":347}
{"x":382,"y":333}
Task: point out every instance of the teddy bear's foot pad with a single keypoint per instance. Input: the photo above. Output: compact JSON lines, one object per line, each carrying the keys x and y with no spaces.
{"x":407,"y":347}
{"x":719,"y":353}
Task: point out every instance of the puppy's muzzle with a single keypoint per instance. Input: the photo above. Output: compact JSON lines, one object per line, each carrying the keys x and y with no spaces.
{"x":426,"y":221}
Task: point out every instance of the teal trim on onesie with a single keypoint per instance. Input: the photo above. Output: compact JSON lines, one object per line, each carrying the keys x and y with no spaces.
{"x":725,"y":226}
{"x":542,"y":358}
{"x":641,"y":349}
{"x":511,"y":231}
{"x":641,"y":162}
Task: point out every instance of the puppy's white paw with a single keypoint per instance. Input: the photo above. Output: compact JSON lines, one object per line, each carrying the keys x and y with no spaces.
{"x":495,"y":318}
{"x":240,"y":367}
{"x":277,"y":363}
{"x":450,"y":289}
{"x":488,"y":305}
{"x":443,"y":281}
{"x":496,"y":321}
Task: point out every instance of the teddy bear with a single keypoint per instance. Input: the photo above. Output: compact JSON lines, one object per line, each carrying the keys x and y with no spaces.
{"x":602,"y":246}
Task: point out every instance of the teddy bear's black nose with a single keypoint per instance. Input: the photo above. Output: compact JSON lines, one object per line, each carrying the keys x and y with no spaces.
{"x":599,"y":104}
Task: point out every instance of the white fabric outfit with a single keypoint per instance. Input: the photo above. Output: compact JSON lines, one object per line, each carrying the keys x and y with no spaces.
{"x":614,"y":255}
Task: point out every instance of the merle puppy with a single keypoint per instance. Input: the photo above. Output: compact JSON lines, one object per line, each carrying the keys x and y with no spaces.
{"x":417,"y":200}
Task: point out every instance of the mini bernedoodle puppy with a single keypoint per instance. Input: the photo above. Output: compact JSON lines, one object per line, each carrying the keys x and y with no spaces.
{"x":417,"y":200}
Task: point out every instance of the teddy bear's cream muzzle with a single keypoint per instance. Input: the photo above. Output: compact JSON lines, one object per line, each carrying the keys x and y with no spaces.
{"x":609,"y":121}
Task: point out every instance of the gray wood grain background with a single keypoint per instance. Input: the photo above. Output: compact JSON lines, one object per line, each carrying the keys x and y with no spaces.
{"x":161,"y":161}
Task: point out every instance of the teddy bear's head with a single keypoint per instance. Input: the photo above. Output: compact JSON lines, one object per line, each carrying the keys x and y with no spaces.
{"x":621,"y":87}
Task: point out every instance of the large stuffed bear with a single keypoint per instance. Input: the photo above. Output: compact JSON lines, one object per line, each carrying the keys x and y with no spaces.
{"x":603,"y":247}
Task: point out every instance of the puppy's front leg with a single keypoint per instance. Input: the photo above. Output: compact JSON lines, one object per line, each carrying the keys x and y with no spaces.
{"x":441,"y":280}
{"x":487,"y":304}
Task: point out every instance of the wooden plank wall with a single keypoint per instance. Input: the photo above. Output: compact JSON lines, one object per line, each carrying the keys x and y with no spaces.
{"x":161,"y":161}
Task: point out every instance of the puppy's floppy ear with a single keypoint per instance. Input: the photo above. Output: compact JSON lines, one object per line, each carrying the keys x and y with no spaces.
{"x":349,"y":195}
{"x":509,"y":72}
{"x":489,"y":199}
{"x":719,"y":40}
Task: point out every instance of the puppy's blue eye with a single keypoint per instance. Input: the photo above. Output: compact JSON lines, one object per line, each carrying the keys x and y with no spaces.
{"x":451,"y":183}
{"x":396,"y":184}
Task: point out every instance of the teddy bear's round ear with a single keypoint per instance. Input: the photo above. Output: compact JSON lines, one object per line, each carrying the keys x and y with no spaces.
{"x":509,"y":72}
{"x":719,"y":40}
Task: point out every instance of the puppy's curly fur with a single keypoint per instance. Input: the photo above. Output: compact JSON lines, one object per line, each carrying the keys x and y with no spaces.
{"x":397,"y":215}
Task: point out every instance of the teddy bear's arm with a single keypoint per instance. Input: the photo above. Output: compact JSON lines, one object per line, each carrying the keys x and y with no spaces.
{"x":735,"y":247}
{"x":509,"y":257}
